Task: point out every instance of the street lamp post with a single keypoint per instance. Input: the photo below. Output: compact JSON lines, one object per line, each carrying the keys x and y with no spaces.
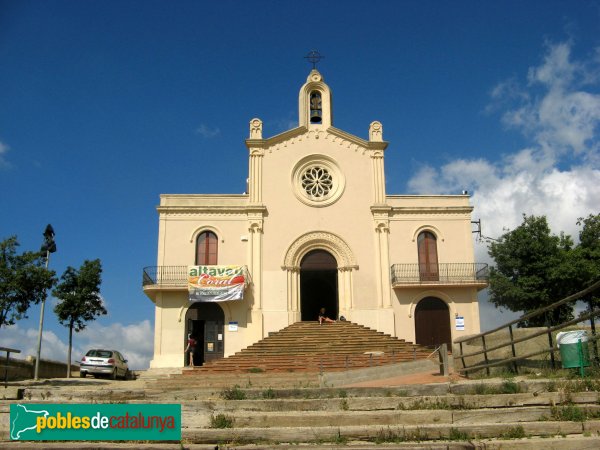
{"x":49,"y":246}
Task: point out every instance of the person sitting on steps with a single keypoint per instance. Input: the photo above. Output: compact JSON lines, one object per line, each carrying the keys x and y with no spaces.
{"x":323,"y":317}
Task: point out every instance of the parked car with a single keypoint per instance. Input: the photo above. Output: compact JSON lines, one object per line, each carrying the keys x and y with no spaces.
{"x":104,"y":362}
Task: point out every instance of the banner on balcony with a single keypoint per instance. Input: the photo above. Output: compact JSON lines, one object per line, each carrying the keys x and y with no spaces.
{"x":216,"y":283}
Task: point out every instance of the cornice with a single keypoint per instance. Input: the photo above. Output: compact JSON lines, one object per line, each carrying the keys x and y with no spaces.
{"x":381,"y":209}
{"x":369,"y":145}
{"x":213,"y":210}
{"x":277,"y":139}
{"x":430,"y":210}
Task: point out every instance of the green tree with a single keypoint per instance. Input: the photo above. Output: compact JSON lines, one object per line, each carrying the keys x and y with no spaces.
{"x":80,"y":301}
{"x":588,"y":253}
{"x":24,"y":280}
{"x":534,"y":268}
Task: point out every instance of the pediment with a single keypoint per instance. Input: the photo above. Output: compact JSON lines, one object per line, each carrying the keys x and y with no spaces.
{"x":303,"y":134}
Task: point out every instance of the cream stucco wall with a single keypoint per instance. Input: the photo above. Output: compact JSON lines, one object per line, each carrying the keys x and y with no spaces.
{"x":270,"y":228}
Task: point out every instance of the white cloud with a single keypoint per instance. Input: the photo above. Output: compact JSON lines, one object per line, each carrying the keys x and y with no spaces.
{"x":3,"y":151}
{"x":558,"y":113}
{"x":135,"y":341}
{"x":557,"y":175}
{"x":207,"y":132}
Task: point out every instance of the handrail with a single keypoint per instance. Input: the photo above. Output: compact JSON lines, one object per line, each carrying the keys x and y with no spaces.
{"x":537,"y":312}
{"x":551,"y":348}
{"x":8,"y":352}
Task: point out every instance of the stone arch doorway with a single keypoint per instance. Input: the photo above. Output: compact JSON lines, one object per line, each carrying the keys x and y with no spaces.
{"x":318,"y":285}
{"x":205,"y":322}
{"x":432,"y":323}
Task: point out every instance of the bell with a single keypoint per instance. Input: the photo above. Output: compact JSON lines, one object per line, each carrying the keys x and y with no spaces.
{"x":315,"y":116}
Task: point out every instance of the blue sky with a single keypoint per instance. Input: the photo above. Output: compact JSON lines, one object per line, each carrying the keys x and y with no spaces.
{"x":106,"y":105}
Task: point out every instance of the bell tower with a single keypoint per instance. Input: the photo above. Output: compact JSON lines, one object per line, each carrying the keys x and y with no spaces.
{"x":314,"y":103}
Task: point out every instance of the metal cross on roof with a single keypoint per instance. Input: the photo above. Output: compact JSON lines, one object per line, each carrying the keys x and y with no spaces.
{"x":314,"y":57}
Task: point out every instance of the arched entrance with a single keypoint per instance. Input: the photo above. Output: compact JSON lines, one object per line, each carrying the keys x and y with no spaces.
{"x":432,"y":322}
{"x":205,"y":322}
{"x":318,"y":285}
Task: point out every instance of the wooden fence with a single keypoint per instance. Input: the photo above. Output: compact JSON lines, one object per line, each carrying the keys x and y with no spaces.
{"x":513,"y":347}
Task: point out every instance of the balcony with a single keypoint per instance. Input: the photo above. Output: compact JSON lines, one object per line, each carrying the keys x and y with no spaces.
{"x":441,"y":274}
{"x":165,"y":276}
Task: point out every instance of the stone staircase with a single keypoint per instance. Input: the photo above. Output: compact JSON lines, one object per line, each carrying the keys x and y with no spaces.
{"x":264,"y":402}
{"x":311,"y":347}
{"x":490,"y":414}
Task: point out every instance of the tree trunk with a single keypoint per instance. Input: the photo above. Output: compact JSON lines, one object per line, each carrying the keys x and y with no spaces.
{"x":69,"y":351}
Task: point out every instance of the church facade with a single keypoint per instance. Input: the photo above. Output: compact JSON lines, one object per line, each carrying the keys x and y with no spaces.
{"x":316,"y":229}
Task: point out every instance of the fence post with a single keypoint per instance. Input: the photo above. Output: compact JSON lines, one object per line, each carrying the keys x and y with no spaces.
{"x":487,"y":368}
{"x":443,"y":353}
{"x":462,"y":358}
{"x":514,"y":352}
{"x":550,"y":342}
{"x":593,"y":329}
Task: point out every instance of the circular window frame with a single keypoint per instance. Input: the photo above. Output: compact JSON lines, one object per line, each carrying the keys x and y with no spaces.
{"x":311,"y":163}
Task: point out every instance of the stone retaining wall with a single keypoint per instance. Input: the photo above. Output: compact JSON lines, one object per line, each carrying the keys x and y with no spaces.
{"x":23,"y":369}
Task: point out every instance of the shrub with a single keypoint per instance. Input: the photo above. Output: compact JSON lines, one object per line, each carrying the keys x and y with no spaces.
{"x":234,"y":393}
{"x":221,"y":421}
{"x":269,"y":393}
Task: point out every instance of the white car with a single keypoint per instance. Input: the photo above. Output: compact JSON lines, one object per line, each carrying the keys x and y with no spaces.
{"x":104,"y":362}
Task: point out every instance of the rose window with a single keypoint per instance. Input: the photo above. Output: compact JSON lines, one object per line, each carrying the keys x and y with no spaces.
{"x":317,"y":182}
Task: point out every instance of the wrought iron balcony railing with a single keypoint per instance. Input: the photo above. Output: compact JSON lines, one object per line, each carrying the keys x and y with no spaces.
{"x":175,"y":276}
{"x":440,"y":274}
{"x":401,"y":274}
{"x":171,"y":276}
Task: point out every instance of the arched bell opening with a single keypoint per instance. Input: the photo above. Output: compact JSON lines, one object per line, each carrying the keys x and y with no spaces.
{"x":316,"y":108}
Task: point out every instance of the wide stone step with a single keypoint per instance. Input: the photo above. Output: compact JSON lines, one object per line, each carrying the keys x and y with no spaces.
{"x":387,"y":433}
{"x":314,"y":361}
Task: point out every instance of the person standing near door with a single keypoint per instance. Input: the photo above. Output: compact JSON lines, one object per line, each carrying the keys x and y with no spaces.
{"x":191,"y":347}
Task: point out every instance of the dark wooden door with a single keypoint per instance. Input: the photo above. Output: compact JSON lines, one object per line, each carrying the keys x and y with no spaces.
{"x":213,"y":340}
{"x":206,"y":322}
{"x":432,"y":323}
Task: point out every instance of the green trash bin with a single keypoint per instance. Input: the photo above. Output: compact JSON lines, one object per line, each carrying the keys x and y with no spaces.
{"x":573,"y":346}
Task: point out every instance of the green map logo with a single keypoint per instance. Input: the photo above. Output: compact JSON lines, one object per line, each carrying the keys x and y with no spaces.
{"x":83,"y":422}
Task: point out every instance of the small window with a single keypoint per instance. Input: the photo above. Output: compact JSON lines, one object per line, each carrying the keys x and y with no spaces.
{"x":207,"y":249}
{"x":316,"y":110}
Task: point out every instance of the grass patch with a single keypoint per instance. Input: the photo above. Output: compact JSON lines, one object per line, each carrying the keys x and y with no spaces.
{"x":269,"y":394}
{"x":509,"y":387}
{"x":387,"y":435}
{"x":344,"y":405}
{"x":422,"y":404}
{"x":514,"y":433}
{"x":457,"y":435}
{"x":573,"y":413}
{"x":255,"y":370}
{"x":234,"y":393}
{"x":221,"y":421}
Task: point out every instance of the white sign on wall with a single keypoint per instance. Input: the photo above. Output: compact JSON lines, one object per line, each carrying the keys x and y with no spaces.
{"x":460,"y":323}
